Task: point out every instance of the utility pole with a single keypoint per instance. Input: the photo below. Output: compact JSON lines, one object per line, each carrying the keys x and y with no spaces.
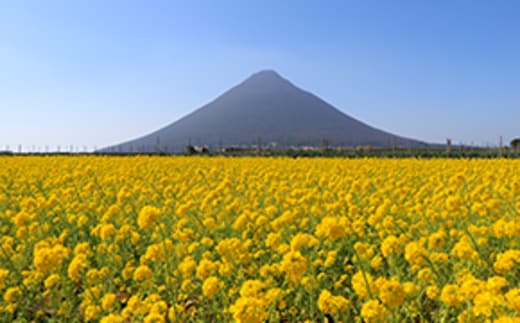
{"x":500,"y":146}
{"x":448,"y":146}
{"x":259,"y":144}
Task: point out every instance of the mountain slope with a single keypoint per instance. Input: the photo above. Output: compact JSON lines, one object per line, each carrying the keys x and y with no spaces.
{"x":264,"y":109}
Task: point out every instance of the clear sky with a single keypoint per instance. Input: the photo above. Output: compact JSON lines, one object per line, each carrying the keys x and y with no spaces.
{"x":99,"y":72}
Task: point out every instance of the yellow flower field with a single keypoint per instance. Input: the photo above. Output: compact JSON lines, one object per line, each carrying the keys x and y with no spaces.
{"x":195,"y":239}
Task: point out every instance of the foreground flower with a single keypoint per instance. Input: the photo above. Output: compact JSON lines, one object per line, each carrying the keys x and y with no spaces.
{"x":330,"y":304}
{"x":147,"y":217}
{"x":211,"y":286}
{"x":373,"y":311}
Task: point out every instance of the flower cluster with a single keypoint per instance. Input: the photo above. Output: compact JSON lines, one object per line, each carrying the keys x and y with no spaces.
{"x":198,"y":239}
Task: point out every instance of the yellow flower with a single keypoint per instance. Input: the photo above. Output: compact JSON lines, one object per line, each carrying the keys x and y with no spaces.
{"x":209,"y":223}
{"x":4,"y":273}
{"x":263,"y":233}
{"x":464,"y":249}
{"x":294,"y":265}
{"x":108,"y":301}
{"x":107,"y":231}
{"x":330,"y":304}
{"x":225,"y":268}
{"x":506,"y":260}
{"x":372,"y":311}
{"x":159,"y":306}
{"x":484,"y":303}
{"x":12,"y":294}
{"x":253,"y":302}
{"x":172,"y":315}
{"x":187,"y":266}
{"x":251,"y":288}
{"x":82,"y":248}
{"x":249,"y":310}
{"x":513,"y":299}
{"x":205,"y":268}
{"x":432,"y":292}
{"x":331,"y":258}
{"x":273,"y":240}
{"x":233,"y":249}
{"x":48,"y":258}
{"x":360,"y":282}
{"x":154,"y":318}
{"x":364,"y":250}
{"x":450,"y":296}
{"x":303,"y":240}
{"x":112,"y":318}
{"x":410,"y":288}
{"x":77,"y":266}
{"x":211,"y":286}
{"x":507,"y":319}
{"x":207,"y":241}
{"x":470,"y":286}
{"x":496,"y":283}
{"x":439,"y":257}
{"x":142,"y":272}
{"x":414,"y":253}
{"x":391,"y":293}
{"x":147,"y":217}
{"x":332,"y":227}
{"x":453,"y":203}
{"x":376,"y":262}
{"x":436,"y":240}
{"x":390,"y":245}
{"x":51,"y":281}
{"x":92,"y":312}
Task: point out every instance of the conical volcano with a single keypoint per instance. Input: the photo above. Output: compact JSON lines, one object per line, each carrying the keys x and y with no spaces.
{"x":264,"y":109}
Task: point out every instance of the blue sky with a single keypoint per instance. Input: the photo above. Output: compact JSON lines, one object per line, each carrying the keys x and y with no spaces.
{"x":98,"y":72}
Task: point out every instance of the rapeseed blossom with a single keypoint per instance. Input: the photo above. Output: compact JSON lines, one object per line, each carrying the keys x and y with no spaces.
{"x":194,"y":239}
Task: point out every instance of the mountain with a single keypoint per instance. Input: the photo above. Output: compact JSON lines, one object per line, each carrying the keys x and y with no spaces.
{"x":264,"y":109}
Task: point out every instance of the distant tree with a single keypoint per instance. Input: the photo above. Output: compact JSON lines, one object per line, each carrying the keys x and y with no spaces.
{"x":515,"y":144}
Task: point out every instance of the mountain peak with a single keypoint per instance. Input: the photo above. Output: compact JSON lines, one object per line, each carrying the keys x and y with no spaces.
{"x":267,"y":73}
{"x":266,"y":77}
{"x":265,"y":107}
